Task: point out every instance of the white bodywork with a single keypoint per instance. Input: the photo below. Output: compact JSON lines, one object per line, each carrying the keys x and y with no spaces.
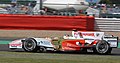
{"x":15,"y":44}
{"x":40,"y":42}
{"x":43,"y":42}
{"x":62,"y":4}
{"x":86,"y":35}
{"x":113,"y":41}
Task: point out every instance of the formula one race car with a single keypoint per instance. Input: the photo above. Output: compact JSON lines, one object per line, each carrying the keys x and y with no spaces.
{"x":79,"y":41}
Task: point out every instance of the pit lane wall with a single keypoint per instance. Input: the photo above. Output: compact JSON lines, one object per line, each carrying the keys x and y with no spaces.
{"x":37,"y":22}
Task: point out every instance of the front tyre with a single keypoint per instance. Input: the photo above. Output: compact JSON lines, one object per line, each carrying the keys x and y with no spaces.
{"x":30,"y":45}
{"x":102,"y":47}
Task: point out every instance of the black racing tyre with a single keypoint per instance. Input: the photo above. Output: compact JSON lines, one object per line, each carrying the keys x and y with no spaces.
{"x":30,"y":45}
{"x":109,"y":51}
{"x":42,"y":49}
{"x":102,"y":47}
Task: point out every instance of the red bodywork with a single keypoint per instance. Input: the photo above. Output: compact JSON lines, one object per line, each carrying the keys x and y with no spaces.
{"x":71,"y":45}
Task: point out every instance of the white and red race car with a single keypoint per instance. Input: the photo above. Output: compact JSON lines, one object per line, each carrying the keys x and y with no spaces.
{"x":79,"y":41}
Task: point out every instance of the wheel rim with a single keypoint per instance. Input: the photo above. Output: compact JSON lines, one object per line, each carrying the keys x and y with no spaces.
{"x":29,"y":45}
{"x":102,"y":47}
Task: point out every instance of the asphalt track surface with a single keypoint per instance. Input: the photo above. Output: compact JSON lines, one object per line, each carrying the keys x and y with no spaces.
{"x":4,"y":47}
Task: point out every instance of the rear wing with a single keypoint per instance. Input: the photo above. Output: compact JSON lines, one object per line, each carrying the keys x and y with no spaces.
{"x":113,"y":41}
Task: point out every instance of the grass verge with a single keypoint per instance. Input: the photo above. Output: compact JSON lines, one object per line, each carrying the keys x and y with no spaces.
{"x":25,"y":57}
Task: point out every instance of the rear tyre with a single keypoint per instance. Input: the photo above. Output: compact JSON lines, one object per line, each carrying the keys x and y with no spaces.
{"x":102,"y":47}
{"x":30,"y":45}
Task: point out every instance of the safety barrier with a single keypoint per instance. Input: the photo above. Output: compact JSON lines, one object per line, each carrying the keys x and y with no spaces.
{"x":37,"y":22}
